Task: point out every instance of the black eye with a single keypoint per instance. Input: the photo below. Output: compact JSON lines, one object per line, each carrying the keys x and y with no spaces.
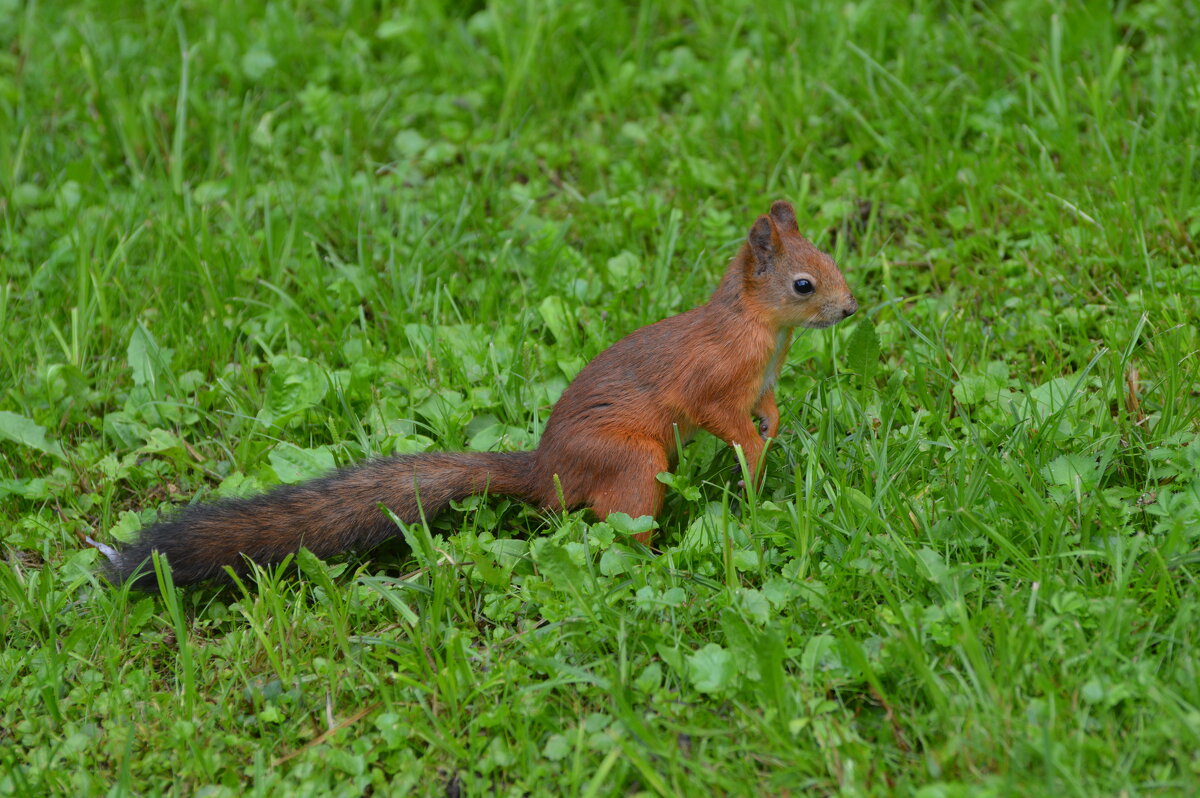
{"x":803,"y":286}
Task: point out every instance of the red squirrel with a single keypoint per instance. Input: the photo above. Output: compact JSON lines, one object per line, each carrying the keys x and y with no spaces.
{"x":609,"y":435}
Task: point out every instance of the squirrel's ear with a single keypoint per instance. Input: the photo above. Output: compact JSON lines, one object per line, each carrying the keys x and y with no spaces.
{"x":784,"y":215}
{"x":764,"y":244}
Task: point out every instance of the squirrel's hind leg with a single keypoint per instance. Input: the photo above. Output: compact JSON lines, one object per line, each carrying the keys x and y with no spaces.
{"x":633,"y":487}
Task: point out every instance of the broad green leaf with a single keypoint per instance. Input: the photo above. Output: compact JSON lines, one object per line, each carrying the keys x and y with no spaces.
{"x":128,"y":432}
{"x":295,"y":384}
{"x":238,"y":485}
{"x":862,"y":350}
{"x":936,"y":569}
{"x":147,"y":360}
{"x":554,"y":561}
{"x":745,"y":560}
{"x":33,"y":489}
{"x":409,"y":143}
{"x":393,"y":28}
{"x":674,"y":596}
{"x":741,"y":641}
{"x":509,"y":552}
{"x":1054,"y":394}
{"x":64,"y":379}
{"x":27,"y":432}
{"x":820,"y":655}
{"x":127,"y":526}
{"x":293,"y":464}
{"x":161,"y":440}
{"x":617,"y":561}
{"x":650,"y":678}
{"x":626,"y":525}
{"x":602,"y":535}
{"x":680,"y":483}
{"x":558,"y":318}
{"x":557,"y":748}
{"x":1065,"y":469}
{"x":711,"y":669}
{"x":257,"y":62}
{"x":210,"y":191}
{"x":445,"y":409}
{"x":623,"y":270}
{"x":317,"y":571}
{"x":754,"y":604}
{"x":780,"y":592}
{"x":976,"y":388}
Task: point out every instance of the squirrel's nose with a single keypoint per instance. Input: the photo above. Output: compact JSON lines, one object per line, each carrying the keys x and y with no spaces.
{"x":850,"y":308}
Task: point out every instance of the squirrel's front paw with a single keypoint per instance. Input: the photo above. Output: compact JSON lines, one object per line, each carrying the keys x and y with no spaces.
{"x":736,"y":476}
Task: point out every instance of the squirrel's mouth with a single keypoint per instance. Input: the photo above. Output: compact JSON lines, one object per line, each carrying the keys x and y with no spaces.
{"x":829,"y":316}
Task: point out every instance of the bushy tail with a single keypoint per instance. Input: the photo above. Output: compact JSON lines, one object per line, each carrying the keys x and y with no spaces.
{"x":329,"y":515}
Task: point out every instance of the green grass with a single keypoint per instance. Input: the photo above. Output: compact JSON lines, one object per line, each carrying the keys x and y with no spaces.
{"x":243,"y":242}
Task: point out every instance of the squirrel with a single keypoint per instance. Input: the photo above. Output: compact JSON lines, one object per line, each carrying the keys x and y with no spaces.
{"x":610,"y":434}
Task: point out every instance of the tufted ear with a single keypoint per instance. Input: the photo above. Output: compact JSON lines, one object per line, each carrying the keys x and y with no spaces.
{"x":764,"y":244}
{"x":784,"y":216}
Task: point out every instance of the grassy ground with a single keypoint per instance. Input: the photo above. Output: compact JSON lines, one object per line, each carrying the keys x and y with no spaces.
{"x":243,"y":242}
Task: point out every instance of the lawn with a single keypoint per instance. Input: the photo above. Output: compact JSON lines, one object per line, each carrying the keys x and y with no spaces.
{"x":244,"y":242}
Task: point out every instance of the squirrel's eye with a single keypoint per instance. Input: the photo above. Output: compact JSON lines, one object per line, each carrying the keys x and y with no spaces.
{"x":803,"y":286}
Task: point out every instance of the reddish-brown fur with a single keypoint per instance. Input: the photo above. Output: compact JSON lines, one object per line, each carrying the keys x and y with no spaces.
{"x":610,"y":434}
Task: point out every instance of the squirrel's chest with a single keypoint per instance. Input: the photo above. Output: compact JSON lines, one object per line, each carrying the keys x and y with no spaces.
{"x":770,"y":372}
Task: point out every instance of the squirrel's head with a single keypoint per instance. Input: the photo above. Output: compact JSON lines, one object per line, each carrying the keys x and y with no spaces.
{"x":798,"y":284}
